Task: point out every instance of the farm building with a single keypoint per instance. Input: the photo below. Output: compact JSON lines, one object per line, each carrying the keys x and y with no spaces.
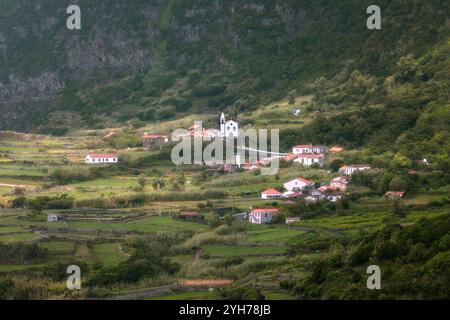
{"x":271,"y":194}
{"x":98,"y":158}
{"x":262,"y":216}
{"x":298,"y":184}
{"x":190,"y":215}
{"x":52,"y":218}
{"x":154,"y":141}
{"x":395,"y":194}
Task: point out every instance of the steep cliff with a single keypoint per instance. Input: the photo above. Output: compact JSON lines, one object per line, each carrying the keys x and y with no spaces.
{"x":151,"y":60}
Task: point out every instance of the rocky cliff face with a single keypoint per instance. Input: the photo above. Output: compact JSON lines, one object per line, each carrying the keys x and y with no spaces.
{"x":266,"y":44}
{"x":39,"y":55}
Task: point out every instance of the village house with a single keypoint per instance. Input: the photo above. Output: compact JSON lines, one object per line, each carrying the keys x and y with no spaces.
{"x":98,"y":158}
{"x":339,"y":184}
{"x":154,"y":141}
{"x":308,"y":149}
{"x":262,"y":216}
{"x":351,"y":169}
{"x":308,"y":160}
{"x":271,"y":194}
{"x":315,"y":196}
{"x":298,"y":184}
{"x":394,"y":195}
{"x":190,"y":215}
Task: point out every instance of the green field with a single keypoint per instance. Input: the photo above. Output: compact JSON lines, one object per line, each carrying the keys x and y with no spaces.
{"x":229,"y":251}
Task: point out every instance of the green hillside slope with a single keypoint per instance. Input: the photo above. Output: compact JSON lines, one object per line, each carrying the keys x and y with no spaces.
{"x":144,"y":61}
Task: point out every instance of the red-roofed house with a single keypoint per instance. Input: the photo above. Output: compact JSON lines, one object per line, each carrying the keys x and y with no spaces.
{"x":154,"y":141}
{"x":262,"y":216}
{"x":310,"y":159}
{"x":325,"y":188}
{"x":339,"y":183}
{"x":190,"y":215}
{"x":271,"y":194}
{"x":98,"y":158}
{"x":298,"y":184}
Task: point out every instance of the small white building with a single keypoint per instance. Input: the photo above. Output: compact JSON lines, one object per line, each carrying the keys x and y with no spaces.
{"x":98,"y":158}
{"x":290,"y":220}
{"x":298,"y":184}
{"x":52,"y":218}
{"x":308,"y":160}
{"x":228,"y":129}
{"x":351,"y":169}
{"x":262,"y":216}
{"x":271,"y":194}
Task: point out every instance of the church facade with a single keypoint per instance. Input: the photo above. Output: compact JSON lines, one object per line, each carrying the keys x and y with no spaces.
{"x":228,"y":129}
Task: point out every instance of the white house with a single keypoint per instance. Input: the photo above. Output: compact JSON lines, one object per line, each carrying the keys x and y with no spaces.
{"x":308,"y":160}
{"x":271,"y":194}
{"x":97,"y":158}
{"x":351,"y":169}
{"x":228,"y":129}
{"x":308,"y":149}
{"x":262,"y":216}
{"x":298,"y":184}
{"x":52,"y":218}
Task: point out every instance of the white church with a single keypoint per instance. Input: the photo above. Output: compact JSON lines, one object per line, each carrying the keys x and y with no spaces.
{"x":228,"y":129}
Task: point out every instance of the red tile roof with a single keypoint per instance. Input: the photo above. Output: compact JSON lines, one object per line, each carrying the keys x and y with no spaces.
{"x":189,"y":214}
{"x":303,"y":180}
{"x":265,"y":210}
{"x":271,"y":192}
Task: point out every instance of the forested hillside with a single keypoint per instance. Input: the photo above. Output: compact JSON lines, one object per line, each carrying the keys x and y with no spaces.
{"x":142,"y":61}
